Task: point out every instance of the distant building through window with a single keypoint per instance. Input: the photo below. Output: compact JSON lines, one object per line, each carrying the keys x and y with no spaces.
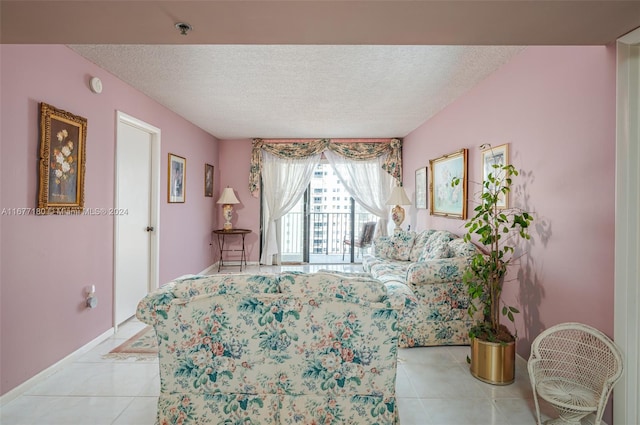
{"x":329,"y":221}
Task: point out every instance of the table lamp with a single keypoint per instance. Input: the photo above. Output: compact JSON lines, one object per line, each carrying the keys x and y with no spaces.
{"x":228,"y":198}
{"x":398,"y":197}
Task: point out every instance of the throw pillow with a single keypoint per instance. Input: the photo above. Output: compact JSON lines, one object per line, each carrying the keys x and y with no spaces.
{"x":460,"y":248}
{"x":418,"y":245}
{"x":437,"y":246}
{"x":382,"y":247}
{"x":402,"y":243}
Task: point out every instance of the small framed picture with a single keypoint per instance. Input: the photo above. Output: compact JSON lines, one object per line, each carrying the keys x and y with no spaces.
{"x":421,"y":188}
{"x":492,"y":158}
{"x":208,"y":180}
{"x":62,"y":155}
{"x":448,"y":200}
{"x":177,"y":178}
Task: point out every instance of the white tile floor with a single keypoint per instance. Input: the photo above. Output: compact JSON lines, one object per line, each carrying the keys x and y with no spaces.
{"x":433,"y":387}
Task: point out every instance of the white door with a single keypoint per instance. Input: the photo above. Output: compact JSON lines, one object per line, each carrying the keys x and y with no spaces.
{"x":136,"y":215}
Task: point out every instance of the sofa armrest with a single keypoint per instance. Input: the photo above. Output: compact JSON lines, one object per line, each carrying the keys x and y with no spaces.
{"x":437,"y":271}
{"x":156,"y":304}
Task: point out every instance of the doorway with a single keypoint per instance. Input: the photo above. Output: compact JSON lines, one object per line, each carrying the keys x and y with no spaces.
{"x":136,"y":231}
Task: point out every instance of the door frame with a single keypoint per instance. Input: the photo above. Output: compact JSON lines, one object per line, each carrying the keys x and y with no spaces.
{"x":627,"y":227}
{"x":154,"y":246}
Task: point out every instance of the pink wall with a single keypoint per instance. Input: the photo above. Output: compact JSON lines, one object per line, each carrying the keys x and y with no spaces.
{"x":234,"y":172}
{"x":555,"y":106}
{"x":47,"y":262}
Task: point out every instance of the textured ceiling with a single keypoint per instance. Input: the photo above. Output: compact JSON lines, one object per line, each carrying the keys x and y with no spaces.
{"x":310,"y":68}
{"x":301,"y":91}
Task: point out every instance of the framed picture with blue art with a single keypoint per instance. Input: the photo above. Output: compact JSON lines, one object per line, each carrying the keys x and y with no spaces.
{"x":447,"y":200}
{"x":61,"y":164}
{"x":177,"y":178}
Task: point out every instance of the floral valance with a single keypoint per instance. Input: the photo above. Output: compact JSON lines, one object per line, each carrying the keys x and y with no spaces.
{"x":356,"y":151}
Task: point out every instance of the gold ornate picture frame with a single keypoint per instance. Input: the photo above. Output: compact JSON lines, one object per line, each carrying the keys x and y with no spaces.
{"x":176,"y":179}
{"x":491,"y":156}
{"x":447,"y":200}
{"x":62,"y":161}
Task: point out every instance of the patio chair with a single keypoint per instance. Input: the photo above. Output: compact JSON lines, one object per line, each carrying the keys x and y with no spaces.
{"x":574,"y":368}
{"x":364,"y":240}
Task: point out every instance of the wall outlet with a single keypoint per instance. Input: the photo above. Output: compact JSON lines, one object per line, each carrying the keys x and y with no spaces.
{"x":92,"y":301}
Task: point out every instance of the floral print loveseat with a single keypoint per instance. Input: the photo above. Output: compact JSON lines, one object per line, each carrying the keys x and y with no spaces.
{"x":287,"y":348}
{"x":423,"y":273}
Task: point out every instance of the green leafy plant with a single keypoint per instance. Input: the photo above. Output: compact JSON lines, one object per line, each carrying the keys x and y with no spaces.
{"x":497,"y":230}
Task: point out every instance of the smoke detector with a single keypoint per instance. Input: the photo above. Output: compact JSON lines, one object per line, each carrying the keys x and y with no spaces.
{"x":184,"y":28}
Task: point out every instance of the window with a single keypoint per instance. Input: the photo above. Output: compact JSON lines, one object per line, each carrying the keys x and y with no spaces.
{"x":327,"y":223}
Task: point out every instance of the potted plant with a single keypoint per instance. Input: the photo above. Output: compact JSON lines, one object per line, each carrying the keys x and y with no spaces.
{"x":497,"y":230}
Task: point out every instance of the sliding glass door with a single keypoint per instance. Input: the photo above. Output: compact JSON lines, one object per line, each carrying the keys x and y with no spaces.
{"x":315,"y":230}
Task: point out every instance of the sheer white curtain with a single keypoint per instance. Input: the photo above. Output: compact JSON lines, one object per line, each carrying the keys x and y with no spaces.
{"x":367,"y":183}
{"x":284,"y":180}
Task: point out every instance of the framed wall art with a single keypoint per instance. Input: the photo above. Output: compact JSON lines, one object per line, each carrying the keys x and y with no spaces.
{"x":421,"y":188}
{"x":177,"y":178}
{"x":208,"y":180}
{"x":492,"y":158}
{"x":62,"y":156}
{"x":447,"y":200}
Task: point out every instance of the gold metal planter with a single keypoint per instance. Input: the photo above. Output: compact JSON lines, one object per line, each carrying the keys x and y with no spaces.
{"x":493,"y":363}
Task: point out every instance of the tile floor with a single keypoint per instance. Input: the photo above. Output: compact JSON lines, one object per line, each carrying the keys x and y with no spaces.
{"x":433,"y":387}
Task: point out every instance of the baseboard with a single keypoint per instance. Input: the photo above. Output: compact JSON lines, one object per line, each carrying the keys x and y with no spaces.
{"x":211,"y":269}
{"x":33,"y":381}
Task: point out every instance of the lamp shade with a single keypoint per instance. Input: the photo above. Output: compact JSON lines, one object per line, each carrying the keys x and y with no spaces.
{"x":228,"y":197}
{"x":398,"y":197}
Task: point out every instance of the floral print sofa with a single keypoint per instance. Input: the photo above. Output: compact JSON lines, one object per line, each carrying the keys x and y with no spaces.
{"x":288,"y":348}
{"x":423,"y":273}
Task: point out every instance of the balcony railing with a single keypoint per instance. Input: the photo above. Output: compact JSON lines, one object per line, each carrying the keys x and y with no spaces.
{"x":327,"y":232}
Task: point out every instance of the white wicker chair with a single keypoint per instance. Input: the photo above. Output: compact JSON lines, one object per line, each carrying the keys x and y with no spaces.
{"x":574,"y":368}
